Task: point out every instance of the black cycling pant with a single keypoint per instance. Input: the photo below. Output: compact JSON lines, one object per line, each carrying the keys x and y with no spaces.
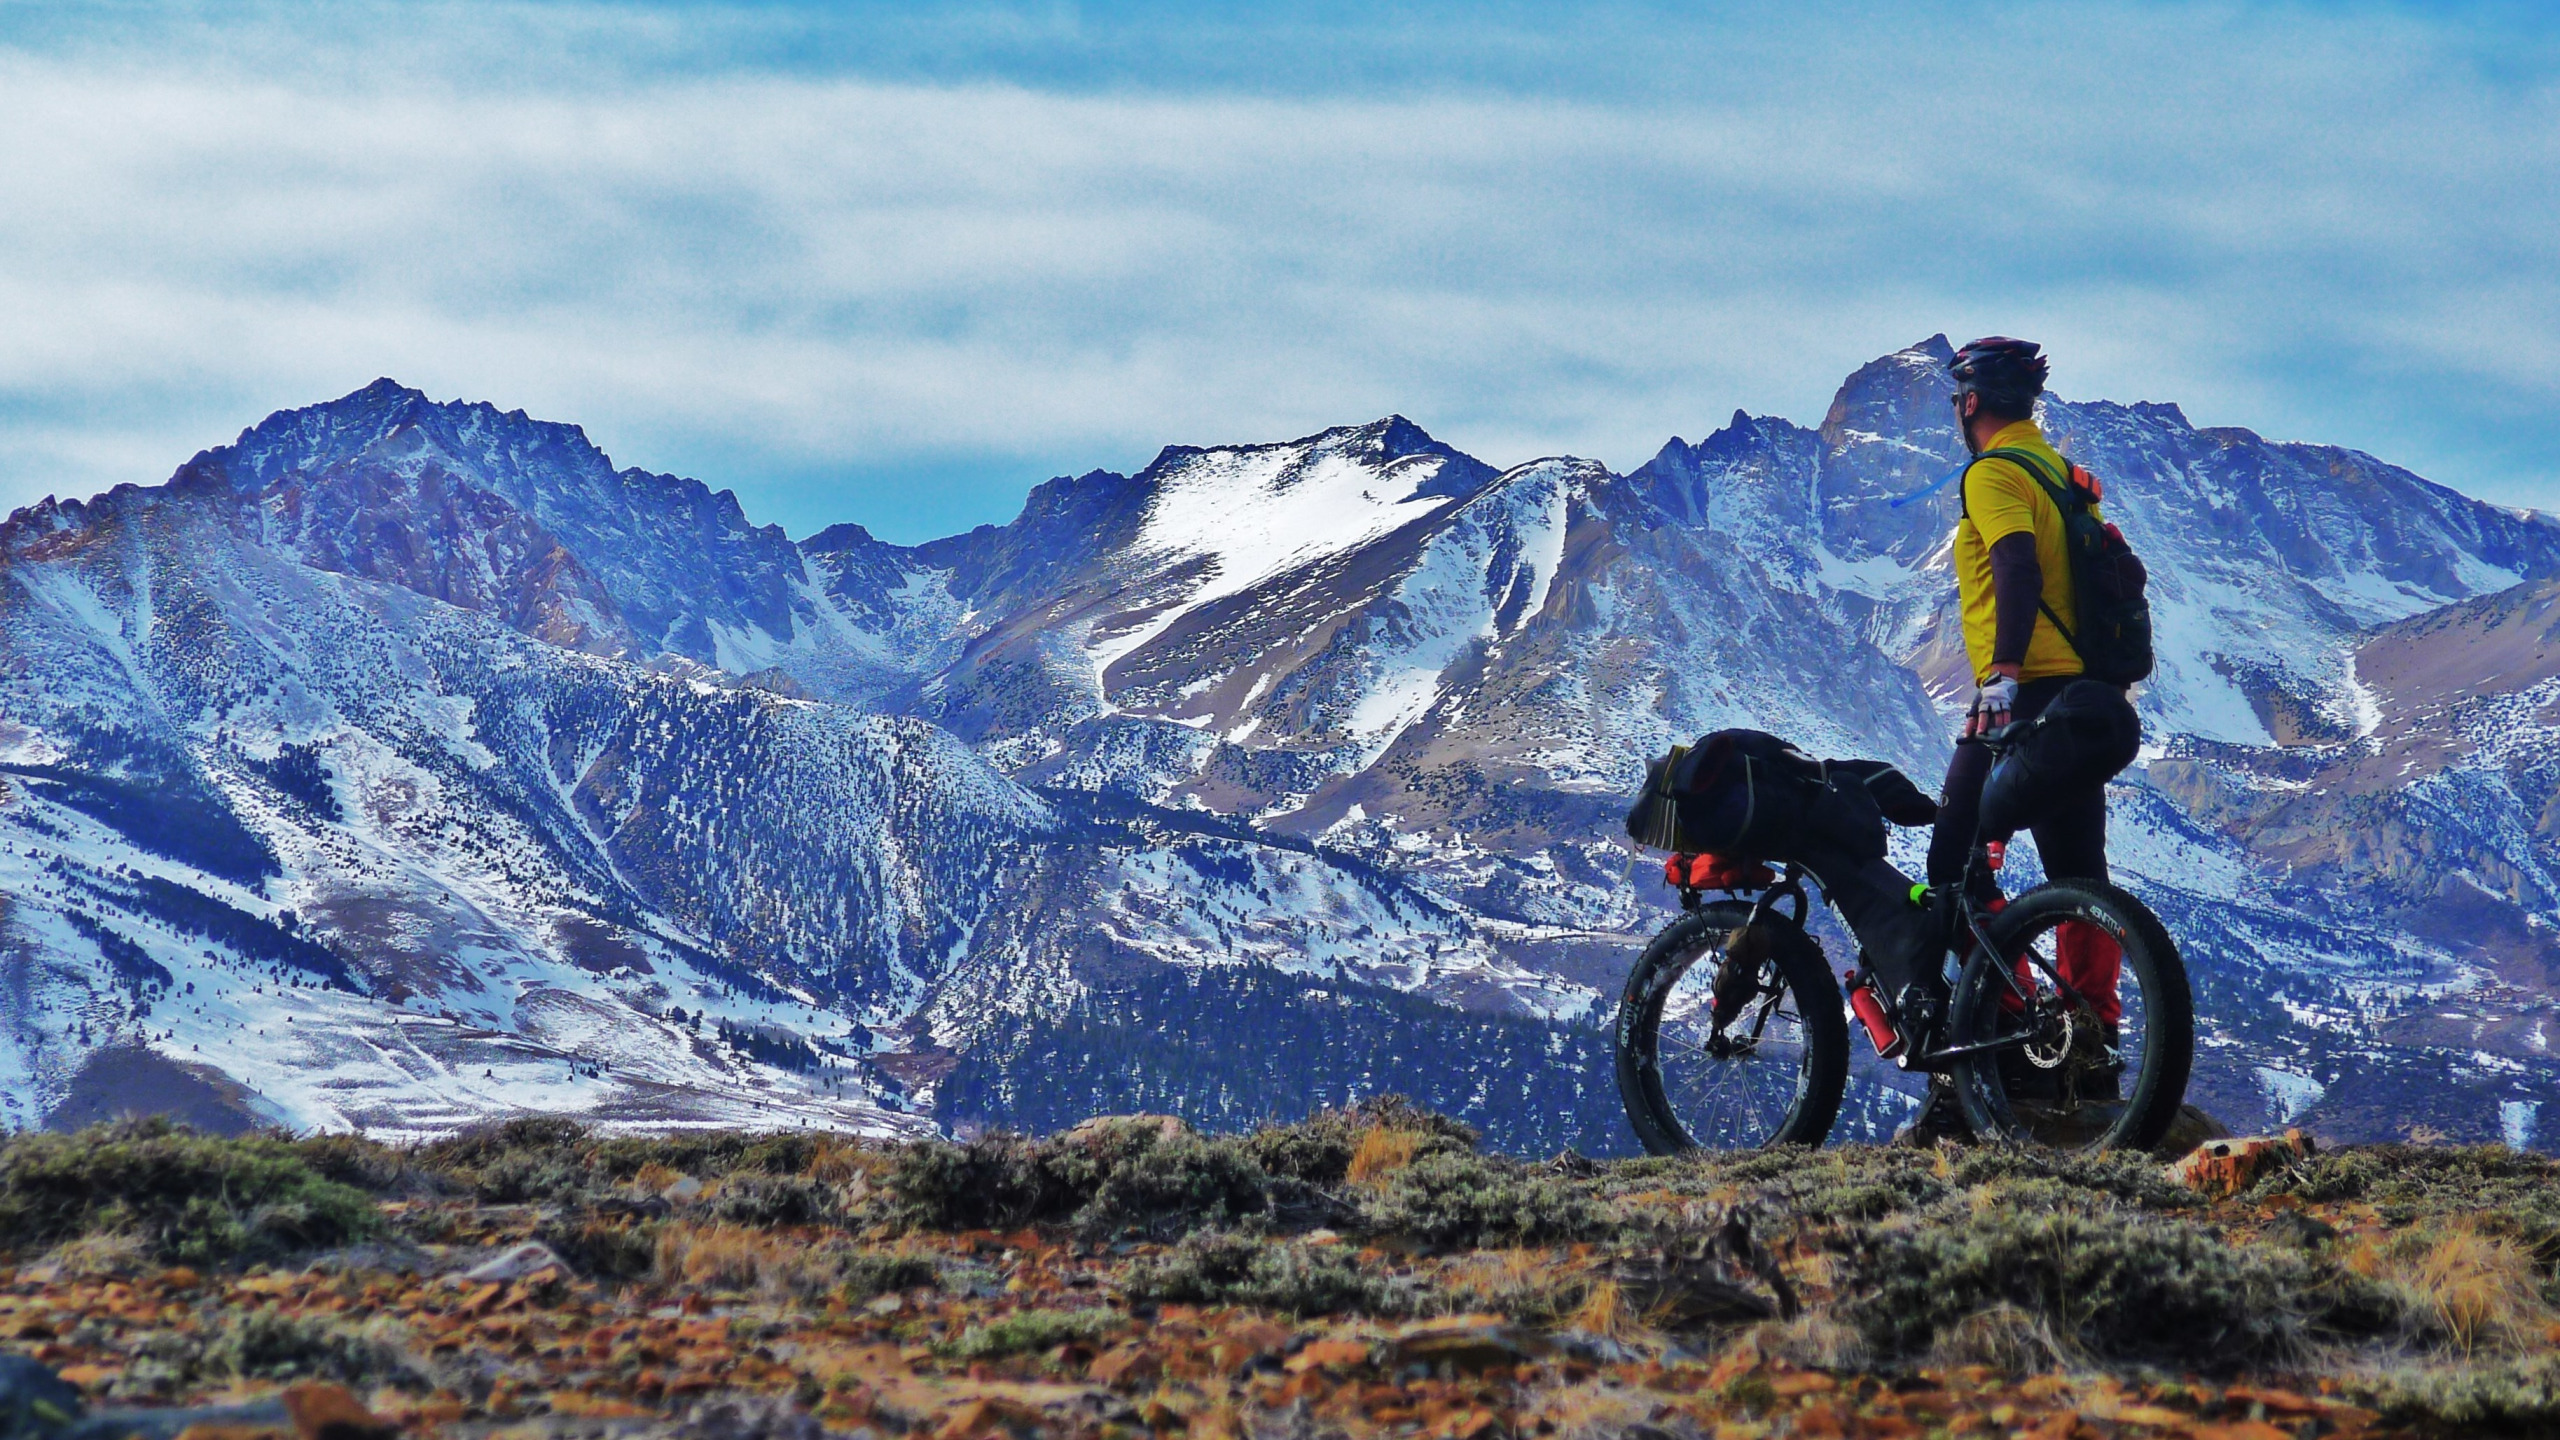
{"x":2072,"y":840}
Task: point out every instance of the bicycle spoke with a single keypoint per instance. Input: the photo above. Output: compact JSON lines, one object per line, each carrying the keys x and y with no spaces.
{"x":1766,"y":1073}
{"x":1742,"y":1098}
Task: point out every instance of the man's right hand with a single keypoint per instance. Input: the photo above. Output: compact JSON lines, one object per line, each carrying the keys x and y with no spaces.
{"x":1993,"y":699}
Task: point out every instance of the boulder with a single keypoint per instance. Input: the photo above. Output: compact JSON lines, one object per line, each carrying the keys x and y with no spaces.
{"x":1464,"y":1342}
{"x":1126,"y":1365}
{"x":331,"y":1412}
{"x":531,"y":1260}
{"x":2226,"y":1167}
{"x":2192,"y":1128}
{"x":34,"y":1401}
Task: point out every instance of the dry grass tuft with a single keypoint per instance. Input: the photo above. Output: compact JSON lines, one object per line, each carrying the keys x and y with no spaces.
{"x":1532,"y":1285}
{"x":1813,"y":1342}
{"x":1604,"y":1311}
{"x":1585,"y":1412}
{"x":2483,"y":1290}
{"x":719,"y":1257}
{"x":1383,"y":1150}
{"x":2004,"y":1337}
{"x":843,"y":1162}
{"x":738,"y":1258}
{"x":99,"y":1257}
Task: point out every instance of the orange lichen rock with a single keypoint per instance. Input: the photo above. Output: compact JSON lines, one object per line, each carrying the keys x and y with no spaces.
{"x":2226,"y":1167}
{"x":329,"y":1412}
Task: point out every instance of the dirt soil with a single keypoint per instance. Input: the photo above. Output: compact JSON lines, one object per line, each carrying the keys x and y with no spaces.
{"x":1365,"y":1273}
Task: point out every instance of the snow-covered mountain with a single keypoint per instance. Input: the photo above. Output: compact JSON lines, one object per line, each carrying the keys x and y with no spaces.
{"x":420,"y":737}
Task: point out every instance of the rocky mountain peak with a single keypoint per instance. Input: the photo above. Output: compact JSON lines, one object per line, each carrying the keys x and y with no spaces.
{"x":1903,"y":395}
{"x":1889,"y":431}
{"x":1391,"y":438}
{"x":844,"y":535}
{"x":1380,"y":444}
{"x":1739,"y":477}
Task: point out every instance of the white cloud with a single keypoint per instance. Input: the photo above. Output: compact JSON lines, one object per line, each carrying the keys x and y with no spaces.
{"x":2283,"y":223}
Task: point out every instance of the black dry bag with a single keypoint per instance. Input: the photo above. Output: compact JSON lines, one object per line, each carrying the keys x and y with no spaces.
{"x":1736,"y":793}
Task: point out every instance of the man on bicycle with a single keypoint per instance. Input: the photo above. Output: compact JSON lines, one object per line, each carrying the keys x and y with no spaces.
{"x":2013,"y":582}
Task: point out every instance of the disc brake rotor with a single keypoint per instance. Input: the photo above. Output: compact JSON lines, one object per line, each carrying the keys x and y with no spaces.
{"x":2052,"y":1044}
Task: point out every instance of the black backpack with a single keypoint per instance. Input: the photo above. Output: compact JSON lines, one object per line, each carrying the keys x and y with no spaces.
{"x":2107,"y":578}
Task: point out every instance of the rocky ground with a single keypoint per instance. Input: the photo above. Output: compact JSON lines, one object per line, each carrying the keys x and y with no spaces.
{"x":1367,"y":1272}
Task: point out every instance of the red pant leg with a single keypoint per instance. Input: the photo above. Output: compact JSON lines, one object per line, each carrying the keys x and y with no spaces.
{"x":2090,"y":962}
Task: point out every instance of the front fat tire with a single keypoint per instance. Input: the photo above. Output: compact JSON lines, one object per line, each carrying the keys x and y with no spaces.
{"x":2150,"y":960}
{"x":1817,"y":999}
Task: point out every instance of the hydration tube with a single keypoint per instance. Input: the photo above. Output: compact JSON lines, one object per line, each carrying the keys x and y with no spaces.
{"x":1933,"y":487}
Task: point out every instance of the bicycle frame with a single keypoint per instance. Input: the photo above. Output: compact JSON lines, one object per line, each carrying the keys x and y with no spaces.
{"x":1968,"y":920}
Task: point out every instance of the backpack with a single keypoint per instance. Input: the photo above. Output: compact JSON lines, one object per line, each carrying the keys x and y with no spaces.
{"x":2107,"y":578}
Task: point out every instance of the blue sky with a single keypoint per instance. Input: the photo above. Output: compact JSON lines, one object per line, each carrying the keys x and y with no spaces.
{"x":896,"y":264}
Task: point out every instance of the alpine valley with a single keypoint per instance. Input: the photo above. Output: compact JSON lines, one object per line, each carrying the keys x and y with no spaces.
{"x":404,"y":764}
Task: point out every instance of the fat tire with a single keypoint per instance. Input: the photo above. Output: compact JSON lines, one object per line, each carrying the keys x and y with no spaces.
{"x":1823,"y":1078}
{"x":2169,"y":1037}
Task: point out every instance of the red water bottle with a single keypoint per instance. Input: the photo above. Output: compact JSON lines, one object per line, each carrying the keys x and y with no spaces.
{"x":1871,"y":1014}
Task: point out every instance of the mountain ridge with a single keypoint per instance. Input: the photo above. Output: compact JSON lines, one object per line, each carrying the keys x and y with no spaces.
{"x":1379,"y":656}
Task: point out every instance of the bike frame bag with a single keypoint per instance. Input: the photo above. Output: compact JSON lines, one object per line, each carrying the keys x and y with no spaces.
{"x":1842,"y":843}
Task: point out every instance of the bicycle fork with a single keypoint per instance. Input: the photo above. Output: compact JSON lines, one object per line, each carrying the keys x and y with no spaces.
{"x":1749,"y":949}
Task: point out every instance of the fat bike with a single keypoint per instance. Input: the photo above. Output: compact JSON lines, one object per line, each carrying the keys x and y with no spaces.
{"x":1733,"y":1031}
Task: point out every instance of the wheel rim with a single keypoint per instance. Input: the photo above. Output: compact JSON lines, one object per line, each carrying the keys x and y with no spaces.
{"x":2069,"y":1088}
{"x":1735,"y":1088}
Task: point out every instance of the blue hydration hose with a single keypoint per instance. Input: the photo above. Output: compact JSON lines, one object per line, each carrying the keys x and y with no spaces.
{"x":1933,"y":487}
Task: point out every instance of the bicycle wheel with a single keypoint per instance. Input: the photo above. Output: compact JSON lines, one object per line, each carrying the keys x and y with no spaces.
{"x":1769,"y":1074}
{"x":2078,"y":1082}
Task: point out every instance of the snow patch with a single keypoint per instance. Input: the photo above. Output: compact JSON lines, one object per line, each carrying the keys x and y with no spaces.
{"x":2289,"y":1093}
{"x":2518,"y":1121}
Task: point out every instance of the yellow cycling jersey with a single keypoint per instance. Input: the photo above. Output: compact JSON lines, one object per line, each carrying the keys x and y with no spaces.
{"x":2001,"y":499}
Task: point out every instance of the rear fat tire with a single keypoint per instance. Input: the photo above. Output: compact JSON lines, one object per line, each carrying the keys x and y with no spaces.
{"x":1698,"y":937}
{"x":2151,"y":960}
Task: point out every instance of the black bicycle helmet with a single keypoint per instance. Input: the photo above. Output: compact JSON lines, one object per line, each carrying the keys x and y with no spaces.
{"x":2008,"y":374}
